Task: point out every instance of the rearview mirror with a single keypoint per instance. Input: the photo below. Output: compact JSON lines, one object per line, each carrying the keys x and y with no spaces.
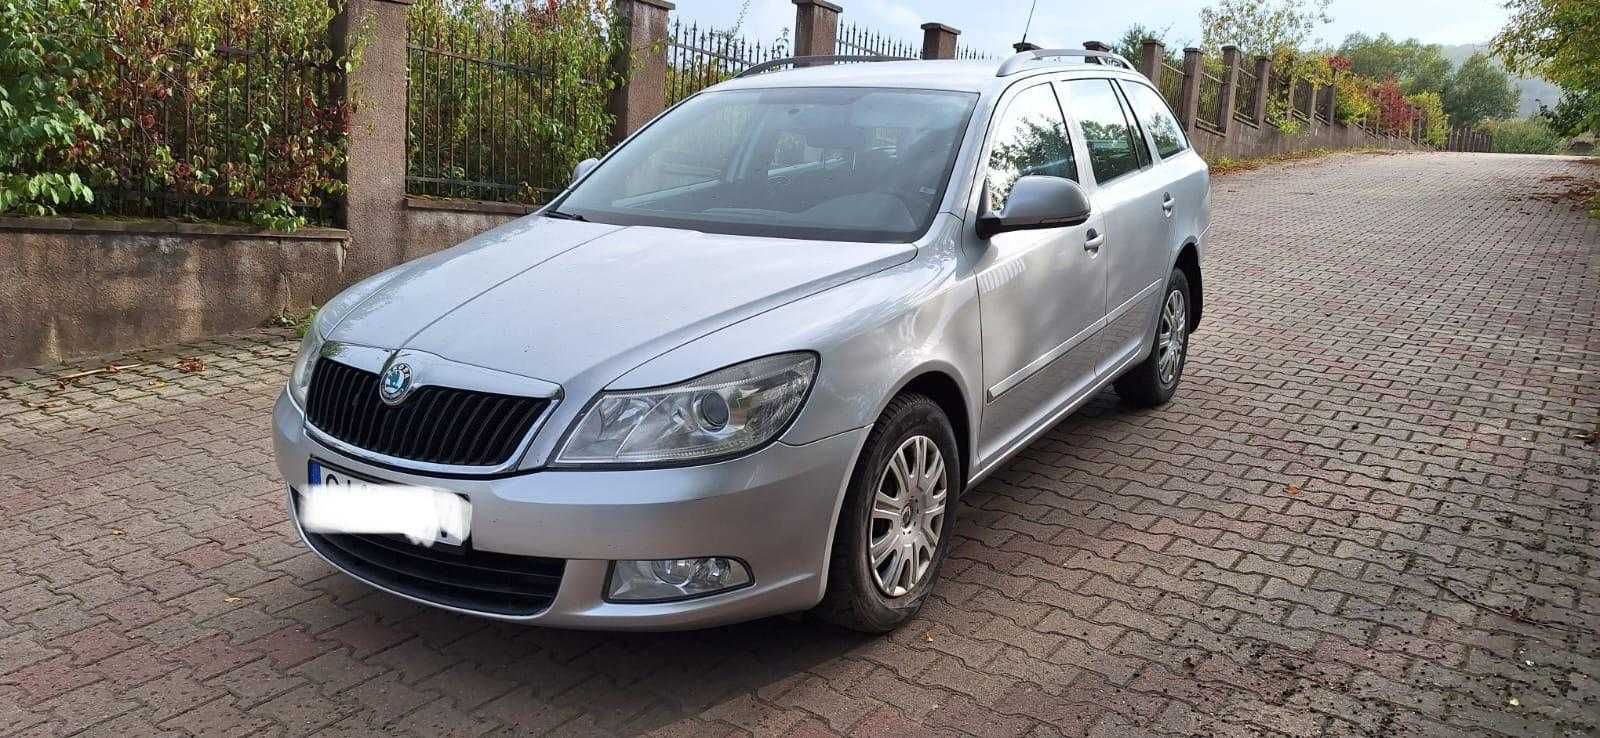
{"x":1037,"y":201}
{"x":584,"y":167}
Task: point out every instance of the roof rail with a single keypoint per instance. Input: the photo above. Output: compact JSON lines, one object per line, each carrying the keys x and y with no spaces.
{"x":799,"y":61}
{"x":1015,"y":63}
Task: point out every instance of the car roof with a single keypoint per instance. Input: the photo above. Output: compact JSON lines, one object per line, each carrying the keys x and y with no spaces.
{"x":961,"y":76}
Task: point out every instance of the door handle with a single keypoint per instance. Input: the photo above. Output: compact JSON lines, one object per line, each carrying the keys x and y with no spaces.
{"x":1093,"y":241}
{"x":1167,"y":203}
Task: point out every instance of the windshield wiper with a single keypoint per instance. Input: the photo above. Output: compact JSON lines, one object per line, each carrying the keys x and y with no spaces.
{"x":565,"y":216}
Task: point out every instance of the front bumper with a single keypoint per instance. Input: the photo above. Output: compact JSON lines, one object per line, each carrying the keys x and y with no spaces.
{"x":775,"y":510}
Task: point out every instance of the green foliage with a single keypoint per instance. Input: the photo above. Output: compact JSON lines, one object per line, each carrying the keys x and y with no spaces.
{"x":1130,"y":45}
{"x":1479,"y":90}
{"x":1436,"y":123}
{"x":204,"y":108}
{"x":1513,"y":136}
{"x":47,"y":48}
{"x":1354,"y":99}
{"x":1417,"y":66}
{"x":507,"y":97}
{"x":1261,"y":27}
{"x":1560,"y":41}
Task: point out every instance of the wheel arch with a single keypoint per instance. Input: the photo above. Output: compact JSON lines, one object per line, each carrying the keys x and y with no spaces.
{"x":941,"y":386}
{"x":1189,"y":261}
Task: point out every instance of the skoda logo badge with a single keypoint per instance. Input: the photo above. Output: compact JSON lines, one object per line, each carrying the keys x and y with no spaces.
{"x":395,"y":383}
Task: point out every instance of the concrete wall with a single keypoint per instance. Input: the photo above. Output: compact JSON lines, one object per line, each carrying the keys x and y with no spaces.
{"x":1248,"y":141}
{"x":81,"y":286}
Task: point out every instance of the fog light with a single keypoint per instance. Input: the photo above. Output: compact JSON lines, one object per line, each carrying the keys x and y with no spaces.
{"x":674,"y":579}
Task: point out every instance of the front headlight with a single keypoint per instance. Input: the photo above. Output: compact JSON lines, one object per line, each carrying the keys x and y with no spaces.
{"x":726,"y":412}
{"x":304,"y":364}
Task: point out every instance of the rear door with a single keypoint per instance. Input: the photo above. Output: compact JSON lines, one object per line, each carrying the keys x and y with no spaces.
{"x":1041,"y":292}
{"x":1129,"y":193}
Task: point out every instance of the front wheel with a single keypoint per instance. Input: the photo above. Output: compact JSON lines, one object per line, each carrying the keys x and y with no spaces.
{"x":894,"y":528}
{"x":1155,"y":380}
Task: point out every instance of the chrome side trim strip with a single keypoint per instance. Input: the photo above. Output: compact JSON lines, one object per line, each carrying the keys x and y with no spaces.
{"x":1034,"y":366}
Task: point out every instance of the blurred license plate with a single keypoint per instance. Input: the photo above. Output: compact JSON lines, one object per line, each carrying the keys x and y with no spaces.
{"x":338,"y":501}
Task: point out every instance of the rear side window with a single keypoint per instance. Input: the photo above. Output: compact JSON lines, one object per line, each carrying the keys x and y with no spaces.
{"x":1030,"y":138}
{"x":1105,"y":130}
{"x":1157,"y":118}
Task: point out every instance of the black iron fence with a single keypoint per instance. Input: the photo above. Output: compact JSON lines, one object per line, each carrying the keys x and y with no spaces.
{"x":207,"y":141}
{"x":698,"y":58}
{"x":1302,"y":98}
{"x":497,"y":112}
{"x":1171,"y":84}
{"x":968,"y":53}
{"x":1209,"y":112}
{"x":1246,"y":88}
{"x":854,"y":40}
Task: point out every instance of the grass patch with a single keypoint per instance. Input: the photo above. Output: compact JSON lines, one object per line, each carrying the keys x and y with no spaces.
{"x":1228,"y":165}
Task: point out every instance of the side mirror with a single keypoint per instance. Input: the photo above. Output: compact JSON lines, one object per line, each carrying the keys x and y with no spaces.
{"x":584,"y":167}
{"x":1037,"y":201}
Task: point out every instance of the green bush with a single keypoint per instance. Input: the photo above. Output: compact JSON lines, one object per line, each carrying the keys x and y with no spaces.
{"x":1514,"y":136}
{"x":47,"y":49}
{"x":201,"y":109}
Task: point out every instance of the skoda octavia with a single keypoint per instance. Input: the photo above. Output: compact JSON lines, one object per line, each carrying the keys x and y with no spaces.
{"x":749,"y":362}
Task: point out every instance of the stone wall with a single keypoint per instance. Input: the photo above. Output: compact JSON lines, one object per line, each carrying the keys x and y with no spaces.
{"x":84,"y":286}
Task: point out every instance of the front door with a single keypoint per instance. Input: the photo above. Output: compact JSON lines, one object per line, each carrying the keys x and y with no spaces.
{"x":1042,"y":293}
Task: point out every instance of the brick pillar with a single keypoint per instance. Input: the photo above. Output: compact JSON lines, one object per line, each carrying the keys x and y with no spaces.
{"x":376,"y":169}
{"x":816,"y":27}
{"x":1263,"y":90}
{"x":1151,"y":52}
{"x":1189,"y":97}
{"x":939,"y":41}
{"x":1230,"y":87}
{"x":641,"y":63}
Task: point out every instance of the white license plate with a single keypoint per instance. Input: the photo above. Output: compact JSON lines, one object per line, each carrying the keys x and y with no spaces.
{"x":337,"y":501}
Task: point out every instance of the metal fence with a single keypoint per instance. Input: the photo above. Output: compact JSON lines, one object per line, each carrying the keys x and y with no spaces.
{"x":1171,"y":84}
{"x":1244,"y":97}
{"x":1302,"y":91}
{"x":494,"y":114}
{"x":698,"y":58}
{"x":968,"y":53}
{"x":1466,"y":138}
{"x":257,"y":101}
{"x":1209,"y":112}
{"x":855,"y":40}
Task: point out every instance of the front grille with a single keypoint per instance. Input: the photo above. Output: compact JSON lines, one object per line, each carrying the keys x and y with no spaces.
{"x":437,"y":425}
{"x":479,"y":581}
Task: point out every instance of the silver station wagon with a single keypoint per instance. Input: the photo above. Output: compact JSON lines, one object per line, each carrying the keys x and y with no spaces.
{"x":748,"y":363}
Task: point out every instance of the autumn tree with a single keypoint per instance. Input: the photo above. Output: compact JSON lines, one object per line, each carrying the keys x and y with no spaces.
{"x":1558,"y":40}
{"x":1417,"y":66}
{"x":1261,"y":27}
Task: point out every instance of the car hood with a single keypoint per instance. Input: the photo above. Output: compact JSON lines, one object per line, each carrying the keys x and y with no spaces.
{"x":554,"y":299}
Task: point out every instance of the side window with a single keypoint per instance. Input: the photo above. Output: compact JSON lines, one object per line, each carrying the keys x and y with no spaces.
{"x":1141,"y":145}
{"x":1030,"y":138}
{"x":1157,"y":118}
{"x":1105,"y":131}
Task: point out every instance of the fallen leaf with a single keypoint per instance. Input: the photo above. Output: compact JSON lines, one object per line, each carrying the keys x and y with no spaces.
{"x":117,"y":531}
{"x":928,"y":636}
{"x":230,"y":599}
{"x":1512,"y":701}
{"x":1293,"y":490}
{"x":191,"y":365}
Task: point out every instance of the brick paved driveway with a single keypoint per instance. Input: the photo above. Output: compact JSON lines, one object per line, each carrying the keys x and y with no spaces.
{"x":1368,"y":511}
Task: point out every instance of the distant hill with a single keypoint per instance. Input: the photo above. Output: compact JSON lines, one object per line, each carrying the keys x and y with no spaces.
{"x":1534,"y":90}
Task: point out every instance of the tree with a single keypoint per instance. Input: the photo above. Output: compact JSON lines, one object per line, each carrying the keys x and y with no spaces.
{"x":1479,"y":90}
{"x":1419,"y":67}
{"x":1130,"y":45}
{"x":1261,"y":27}
{"x":1560,"y":41}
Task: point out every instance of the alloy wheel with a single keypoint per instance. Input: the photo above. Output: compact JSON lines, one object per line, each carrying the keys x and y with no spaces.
{"x":1174,"y":331}
{"x":907,"y":516}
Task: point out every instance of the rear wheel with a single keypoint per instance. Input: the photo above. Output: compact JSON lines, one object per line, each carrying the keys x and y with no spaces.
{"x":894,"y":527}
{"x":1155,"y":380}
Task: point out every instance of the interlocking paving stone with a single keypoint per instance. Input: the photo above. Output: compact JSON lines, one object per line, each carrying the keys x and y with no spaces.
{"x":1368,"y":511}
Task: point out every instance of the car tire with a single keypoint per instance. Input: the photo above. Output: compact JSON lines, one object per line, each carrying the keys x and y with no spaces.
{"x":878,"y":596}
{"x":1155,"y":380}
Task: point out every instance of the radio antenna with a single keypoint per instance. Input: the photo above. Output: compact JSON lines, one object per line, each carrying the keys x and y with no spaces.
{"x":1029,"y":24}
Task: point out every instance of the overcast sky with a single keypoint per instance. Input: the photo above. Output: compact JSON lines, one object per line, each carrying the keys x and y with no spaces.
{"x":995,"y":24}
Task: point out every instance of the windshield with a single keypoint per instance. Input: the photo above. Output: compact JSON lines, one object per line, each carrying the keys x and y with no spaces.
{"x":843,"y":164}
